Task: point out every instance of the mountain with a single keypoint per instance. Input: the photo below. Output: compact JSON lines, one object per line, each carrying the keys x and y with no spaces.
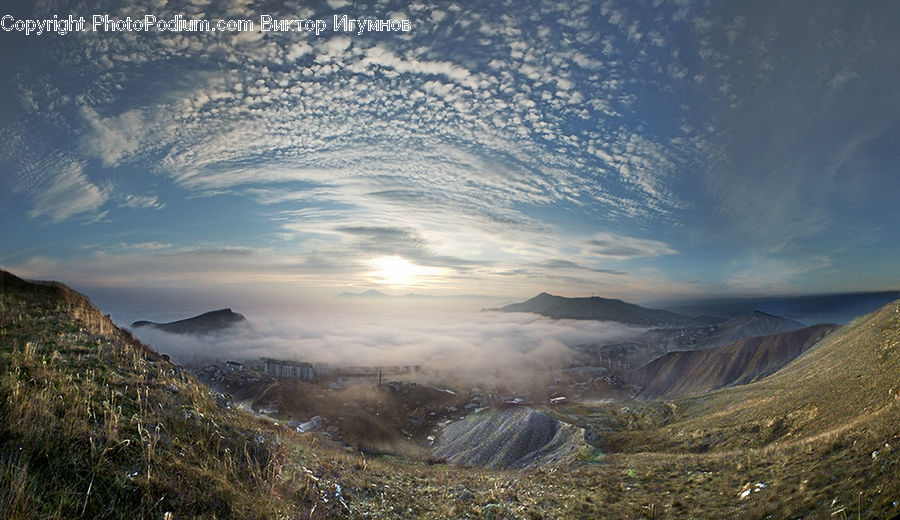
{"x":748,"y":325}
{"x":75,"y":305}
{"x":698,"y":333}
{"x":595,"y":308}
{"x":812,"y":309}
{"x":205,"y":323}
{"x":375,"y":293}
{"x":371,"y":293}
{"x":844,"y":381}
{"x":842,"y":387}
{"x":744,"y":361}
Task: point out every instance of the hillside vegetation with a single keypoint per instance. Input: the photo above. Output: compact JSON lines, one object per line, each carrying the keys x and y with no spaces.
{"x":748,"y":325}
{"x":95,"y":425}
{"x":738,"y":363}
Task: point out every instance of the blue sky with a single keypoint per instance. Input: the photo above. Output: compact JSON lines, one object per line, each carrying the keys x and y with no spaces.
{"x":634,"y":149}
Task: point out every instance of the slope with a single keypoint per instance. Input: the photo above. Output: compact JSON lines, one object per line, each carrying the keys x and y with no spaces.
{"x":93,"y":424}
{"x":699,"y":333}
{"x":822,"y":434}
{"x":741,"y":362}
{"x":848,"y":376}
{"x":748,"y":325}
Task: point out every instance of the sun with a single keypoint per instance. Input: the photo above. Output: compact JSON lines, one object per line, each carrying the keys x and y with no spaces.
{"x":395,"y":270}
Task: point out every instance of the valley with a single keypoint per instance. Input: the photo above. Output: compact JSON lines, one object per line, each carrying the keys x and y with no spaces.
{"x":806,"y":437}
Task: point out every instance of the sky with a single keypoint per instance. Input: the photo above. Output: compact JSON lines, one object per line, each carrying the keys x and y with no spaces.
{"x":632,"y":149}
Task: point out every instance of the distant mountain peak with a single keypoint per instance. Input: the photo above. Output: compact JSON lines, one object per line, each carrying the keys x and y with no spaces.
{"x":595,"y":308}
{"x":207,"y":322}
{"x":369,"y":293}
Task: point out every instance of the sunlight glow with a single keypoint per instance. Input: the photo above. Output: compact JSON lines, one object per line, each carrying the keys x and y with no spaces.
{"x":397,"y":271}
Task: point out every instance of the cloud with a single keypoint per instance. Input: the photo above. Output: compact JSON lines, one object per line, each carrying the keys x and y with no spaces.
{"x":67,"y":194}
{"x":491,"y":347}
{"x":141,"y":202}
{"x":117,"y":138}
{"x":383,"y":57}
{"x":140,"y":246}
{"x":472,"y":142}
{"x":405,"y":242}
{"x":416,"y":112}
{"x":790,"y":144}
{"x":336,"y":44}
{"x":557,"y":265}
{"x":623,"y":247}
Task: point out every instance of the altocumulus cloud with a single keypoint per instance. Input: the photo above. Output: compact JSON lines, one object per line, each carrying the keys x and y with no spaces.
{"x":620,"y":136}
{"x":66,"y":194}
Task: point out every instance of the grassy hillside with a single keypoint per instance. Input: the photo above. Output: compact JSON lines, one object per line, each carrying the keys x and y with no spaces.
{"x":744,"y":361}
{"x":748,"y":325}
{"x":95,"y":425}
{"x":823,"y":432}
{"x":851,"y":376}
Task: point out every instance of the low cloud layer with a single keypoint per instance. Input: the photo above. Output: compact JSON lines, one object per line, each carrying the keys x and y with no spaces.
{"x":476,"y":346}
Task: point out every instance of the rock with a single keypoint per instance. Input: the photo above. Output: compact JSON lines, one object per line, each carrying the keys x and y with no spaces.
{"x":312,"y":425}
{"x":223,"y":401}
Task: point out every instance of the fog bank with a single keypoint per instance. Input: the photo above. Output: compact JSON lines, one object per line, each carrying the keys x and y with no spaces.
{"x":448,"y":341}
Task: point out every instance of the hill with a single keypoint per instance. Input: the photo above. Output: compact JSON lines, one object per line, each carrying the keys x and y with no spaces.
{"x":738,"y":363}
{"x":811,"y":309}
{"x":370,"y":293}
{"x":512,"y":438}
{"x":595,"y":308}
{"x":205,"y":323}
{"x":748,"y":325}
{"x":846,"y":379}
{"x":821,"y":434}
{"x":700,"y":333}
{"x":94,"y":424}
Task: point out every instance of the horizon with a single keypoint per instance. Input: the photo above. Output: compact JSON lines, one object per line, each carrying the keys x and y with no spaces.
{"x":415,"y":310}
{"x":659,"y":152}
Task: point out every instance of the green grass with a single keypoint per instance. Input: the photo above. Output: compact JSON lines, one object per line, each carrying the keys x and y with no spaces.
{"x":94,"y":425}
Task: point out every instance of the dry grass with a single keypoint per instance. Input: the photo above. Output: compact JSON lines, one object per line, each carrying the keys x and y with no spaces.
{"x":94,"y":427}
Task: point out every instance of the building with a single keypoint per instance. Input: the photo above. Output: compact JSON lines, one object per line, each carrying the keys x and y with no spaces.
{"x":234,"y":366}
{"x":289,"y":369}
